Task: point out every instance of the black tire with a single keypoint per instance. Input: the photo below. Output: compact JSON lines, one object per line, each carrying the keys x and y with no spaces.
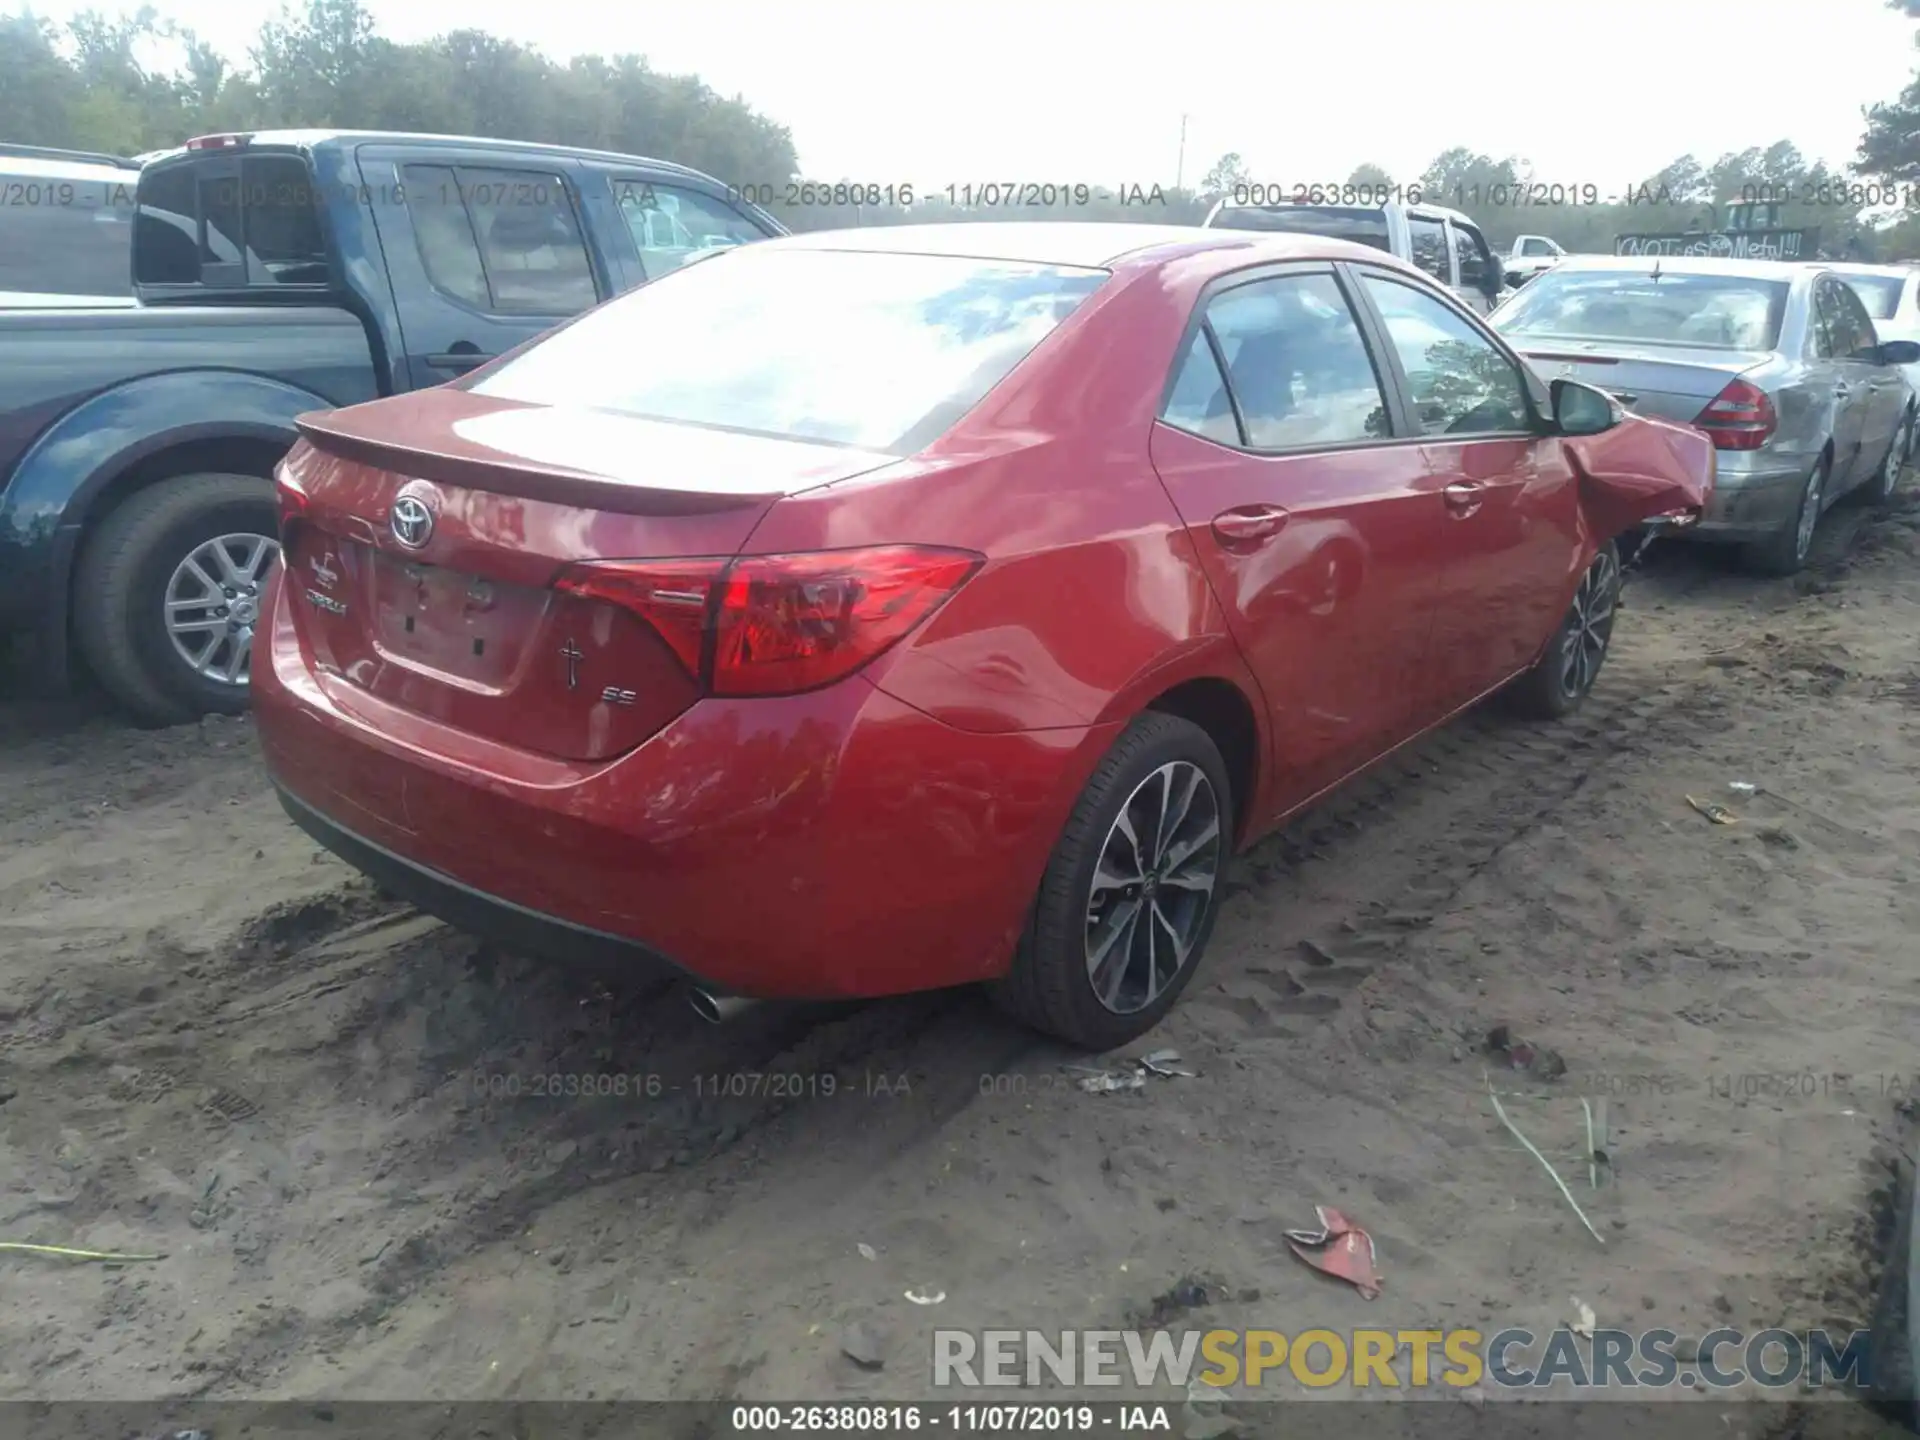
{"x":1564,"y":675}
{"x":1785,"y":551}
{"x":120,"y":592}
{"x":1050,"y":986}
{"x":1879,"y":490}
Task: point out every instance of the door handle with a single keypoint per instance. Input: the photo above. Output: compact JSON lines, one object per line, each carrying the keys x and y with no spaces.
{"x":1462,"y":497}
{"x":458,"y":360}
{"x":1246,"y":524}
{"x":1842,"y":390}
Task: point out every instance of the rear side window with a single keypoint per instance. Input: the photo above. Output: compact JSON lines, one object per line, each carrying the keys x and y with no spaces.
{"x":230,"y":221}
{"x":1297,"y":364}
{"x":1859,"y":327}
{"x":1429,"y":247}
{"x":1199,"y":403}
{"x":874,"y":350}
{"x":1535,"y":247}
{"x":505,"y":241}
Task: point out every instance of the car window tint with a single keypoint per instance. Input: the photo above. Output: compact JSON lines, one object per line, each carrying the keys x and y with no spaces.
{"x":1460,"y":383}
{"x":1859,"y":324}
{"x":536,"y":259}
{"x":1297,"y":364}
{"x":1470,"y":254}
{"x":443,"y":232}
{"x":1199,"y":401}
{"x":671,"y":225}
{"x":1429,"y":246}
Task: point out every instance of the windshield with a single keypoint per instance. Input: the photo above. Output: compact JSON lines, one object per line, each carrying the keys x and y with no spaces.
{"x":1360,"y":224}
{"x":1715,"y":312}
{"x":1879,"y":293}
{"x":878,"y":351}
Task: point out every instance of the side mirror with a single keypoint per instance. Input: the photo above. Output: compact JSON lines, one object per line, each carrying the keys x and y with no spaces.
{"x":1583,"y":410}
{"x":1899,"y":352}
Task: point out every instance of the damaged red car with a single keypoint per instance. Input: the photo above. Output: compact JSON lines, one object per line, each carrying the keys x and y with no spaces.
{"x":859,"y":613}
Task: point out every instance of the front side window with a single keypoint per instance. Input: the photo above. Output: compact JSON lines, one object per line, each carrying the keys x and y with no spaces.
{"x":874,"y":350}
{"x":1859,"y":326}
{"x":1535,"y":247}
{"x":1430,"y":247}
{"x":671,"y":225}
{"x":1460,"y":382}
{"x":1470,"y":253}
{"x":1298,"y":364}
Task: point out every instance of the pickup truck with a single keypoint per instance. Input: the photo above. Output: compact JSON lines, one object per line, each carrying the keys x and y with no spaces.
{"x":1530,"y":256}
{"x":1446,"y":244}
{"x":278,"y":273}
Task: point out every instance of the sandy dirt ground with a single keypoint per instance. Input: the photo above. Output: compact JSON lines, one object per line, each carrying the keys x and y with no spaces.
{"x":218,"y":1043}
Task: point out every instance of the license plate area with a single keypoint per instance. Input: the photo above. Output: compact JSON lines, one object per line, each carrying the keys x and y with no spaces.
{"x":467,"y":628}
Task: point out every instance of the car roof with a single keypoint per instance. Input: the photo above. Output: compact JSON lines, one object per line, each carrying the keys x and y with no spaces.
{"x":1858,"y":267}
{"x":1692,"y":265}
{"x":1094,"y":244}
{"x":321,"y":139}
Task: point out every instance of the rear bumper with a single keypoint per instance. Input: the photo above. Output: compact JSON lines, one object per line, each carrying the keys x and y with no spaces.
{"x":1751,"y":504}
{"x":513,"y":927}
{"x":834,"y":844}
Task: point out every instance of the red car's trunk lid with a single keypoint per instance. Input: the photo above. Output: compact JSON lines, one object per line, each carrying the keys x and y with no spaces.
{"x":429,"y":530}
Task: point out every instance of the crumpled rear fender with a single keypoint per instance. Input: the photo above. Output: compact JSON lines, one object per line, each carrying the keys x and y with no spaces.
{"x":1640,"y":469}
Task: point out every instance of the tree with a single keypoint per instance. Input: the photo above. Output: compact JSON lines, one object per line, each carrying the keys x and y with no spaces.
{"x":1228,"y":172}
{"x":1369,"y":176}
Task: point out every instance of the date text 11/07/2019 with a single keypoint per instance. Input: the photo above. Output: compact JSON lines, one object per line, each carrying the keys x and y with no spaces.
{"x":709,"y":1085}
{"x":903,"y":1419}
{"x":968,"y":195}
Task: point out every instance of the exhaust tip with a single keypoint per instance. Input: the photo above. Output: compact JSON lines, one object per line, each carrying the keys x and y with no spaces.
{"x":717,"y":1009}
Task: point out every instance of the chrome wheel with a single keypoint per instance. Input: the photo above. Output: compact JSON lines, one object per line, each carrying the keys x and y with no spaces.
{"x":1888,"y":480}
{"x":1809,"y":520}
{"x":213,"y":603}
{"x":1590,"y":625}
{"x":1152,"y":887}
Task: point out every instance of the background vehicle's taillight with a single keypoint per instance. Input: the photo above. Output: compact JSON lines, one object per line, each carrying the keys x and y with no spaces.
{"x":779,"y":624}
{"x":1740,"y":417}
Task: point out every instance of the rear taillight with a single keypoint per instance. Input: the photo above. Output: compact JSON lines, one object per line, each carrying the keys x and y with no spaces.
{"x":779,"y":624}
{"x":1740,"y":417}
{"x":293,"y":506}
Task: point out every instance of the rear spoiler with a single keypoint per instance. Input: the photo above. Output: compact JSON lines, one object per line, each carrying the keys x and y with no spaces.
{"x":434,"y":450}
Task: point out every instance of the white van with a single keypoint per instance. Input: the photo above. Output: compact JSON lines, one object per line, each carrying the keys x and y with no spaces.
{"x":66,"y":227}
{"x":1444,"y":243}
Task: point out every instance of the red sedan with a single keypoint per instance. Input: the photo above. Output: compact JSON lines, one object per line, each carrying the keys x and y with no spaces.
{"x":869,"y":612}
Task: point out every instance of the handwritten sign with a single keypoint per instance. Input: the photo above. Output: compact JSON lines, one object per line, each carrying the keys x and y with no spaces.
{"x":1727,"y":245}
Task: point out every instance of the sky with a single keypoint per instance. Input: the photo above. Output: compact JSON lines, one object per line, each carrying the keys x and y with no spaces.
{"x":930,"y":93}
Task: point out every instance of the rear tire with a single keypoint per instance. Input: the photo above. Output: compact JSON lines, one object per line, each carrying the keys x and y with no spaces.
{"x":1164,"y":783}
{"x":1563,"y":677}
{"x":134,"y":568}
{"x":1785,"y":551}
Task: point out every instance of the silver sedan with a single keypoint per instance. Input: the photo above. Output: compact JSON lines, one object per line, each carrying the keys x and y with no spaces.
{"x":1778,"y":362}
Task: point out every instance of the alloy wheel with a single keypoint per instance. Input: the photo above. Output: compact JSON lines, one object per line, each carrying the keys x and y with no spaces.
{"x":213,"y":604}
{"x":1152,"y":887}
{"x":1590,"y":625}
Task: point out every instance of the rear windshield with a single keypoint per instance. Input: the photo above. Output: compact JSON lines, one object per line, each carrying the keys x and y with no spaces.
{"x":1361,"y":224}
{"x":221,"y":221}
{"x":1714,"y":312}
{"x":1879,"y":293}
{"x":877,"y":351}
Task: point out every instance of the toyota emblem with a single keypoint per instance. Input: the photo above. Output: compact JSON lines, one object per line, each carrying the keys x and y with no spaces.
{"x":411,"y":522}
